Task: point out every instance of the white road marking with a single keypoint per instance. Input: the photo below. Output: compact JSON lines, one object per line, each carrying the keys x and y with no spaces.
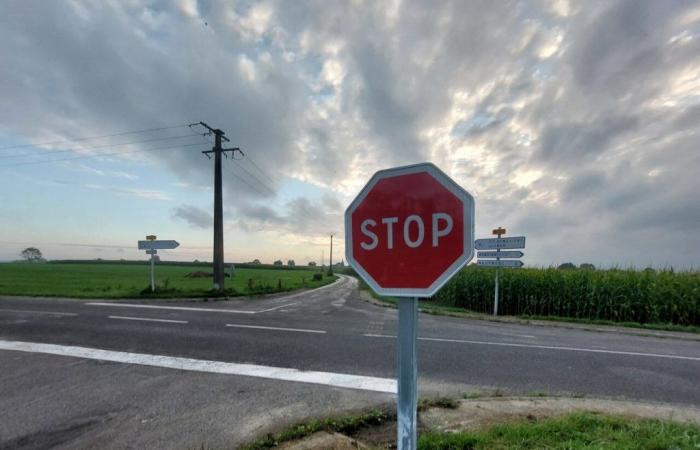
{"x":178,"y":308}
{"x":277,"y":307}
{"x":385,"y":385}
{"x":547,"y":347}
{"x":22,"y":311}
{"x":300,"y":330}
{"x":146,"y":319}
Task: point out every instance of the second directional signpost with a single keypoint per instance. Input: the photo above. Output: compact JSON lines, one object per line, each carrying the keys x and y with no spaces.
{"x":151,"y":245}
{"x":498,"y":244}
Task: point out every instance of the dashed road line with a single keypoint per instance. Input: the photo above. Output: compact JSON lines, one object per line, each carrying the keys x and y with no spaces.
{"x":176,"y":308}
{"x":146,"y":319}
{"x":31,"y":311}
{"x":361,"y":382}
{"x":260,"y":327}
{"x":547,"y":347}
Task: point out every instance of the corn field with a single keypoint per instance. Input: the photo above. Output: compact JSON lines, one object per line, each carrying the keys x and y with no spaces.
{"x":618,"y":295}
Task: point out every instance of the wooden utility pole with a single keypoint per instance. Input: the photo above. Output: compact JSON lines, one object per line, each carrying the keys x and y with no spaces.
{"x":219,"y":282}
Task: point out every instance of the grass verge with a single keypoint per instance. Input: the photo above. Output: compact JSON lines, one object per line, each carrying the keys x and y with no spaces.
{"x":576,"y":431}
{"x":347,"y":425}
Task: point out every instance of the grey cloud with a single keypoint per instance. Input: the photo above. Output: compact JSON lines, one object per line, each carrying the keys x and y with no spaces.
{"x":602,"y":122}
{"x":194,"y":216}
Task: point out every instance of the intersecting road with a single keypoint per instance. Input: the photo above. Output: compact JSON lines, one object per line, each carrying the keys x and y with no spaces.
{"x":187,"y":374}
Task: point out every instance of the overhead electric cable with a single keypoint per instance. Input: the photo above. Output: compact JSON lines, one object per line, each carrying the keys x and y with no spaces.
{"x":75,"y":149}
{"x":123,"y":133}
{"x":252,"y":175}
{"x":97,"y":155}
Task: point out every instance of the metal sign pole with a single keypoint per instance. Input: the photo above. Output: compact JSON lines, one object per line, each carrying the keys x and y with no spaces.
{"x":498,"y":272}
{"x":153,"y":278}
{"x":495,"y":300}
{"x":408,"y":373}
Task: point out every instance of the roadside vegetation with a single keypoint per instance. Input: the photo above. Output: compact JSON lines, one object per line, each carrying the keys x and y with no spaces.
{"x":113,"y":279}
{"x":615,"y":295}
{"x":572,"y":431}
{"x":579,"y":430}
{"x":650,"y":299}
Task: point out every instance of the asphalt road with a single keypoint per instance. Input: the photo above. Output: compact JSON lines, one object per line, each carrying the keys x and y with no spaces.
{"x":217,"y":373}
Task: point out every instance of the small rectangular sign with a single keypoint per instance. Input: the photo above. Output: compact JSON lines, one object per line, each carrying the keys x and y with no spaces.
{"x":504,"y":254}
{"x":494,"y":243}
{"x":162,"y":245}
{"x":151,"y":252}
{"x":514,"y":263}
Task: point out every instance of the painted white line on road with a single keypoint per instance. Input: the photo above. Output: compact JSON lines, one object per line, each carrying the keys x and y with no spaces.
{"x":23,"y":311}
{"x":385,"y":385}
{"x":547,"y":347}
{"x":178,"y":308}
{"x":336,"y":283}
{"x":300,"y":330}
{"x":277,"y":307}
{"x":146,"y":319}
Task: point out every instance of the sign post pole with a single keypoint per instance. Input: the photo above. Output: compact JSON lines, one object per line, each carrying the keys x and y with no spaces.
{"x":153,"y":270}
{"x":495,"y":300}
{"x":498,"y":232}
{"x":408,"y":373}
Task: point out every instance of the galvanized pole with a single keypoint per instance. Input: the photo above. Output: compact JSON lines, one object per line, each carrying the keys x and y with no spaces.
{"x":495,"y":300}
{"x":408,"y":374}
{"x":498,"y":272}
{"x":153,"y":269}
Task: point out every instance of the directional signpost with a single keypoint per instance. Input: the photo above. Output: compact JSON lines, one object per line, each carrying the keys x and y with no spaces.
{"x":151,"y":245}
{"x":500,"y":254}
{"x":408,"y":231}
{"x":498,"y":244}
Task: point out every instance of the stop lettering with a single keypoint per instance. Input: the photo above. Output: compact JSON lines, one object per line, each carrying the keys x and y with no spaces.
{"x":409,"y":230}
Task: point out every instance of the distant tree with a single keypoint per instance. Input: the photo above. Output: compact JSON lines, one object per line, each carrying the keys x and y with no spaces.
{"x":196,"y":261}
{"x":312,"y":263}
{"x":32,"y":254}
{"x":278,"y":262}
{"x":256,"y":261}
{"x":587,"y":266}
{"x":291,"y":263}
{"x":566,"y":266}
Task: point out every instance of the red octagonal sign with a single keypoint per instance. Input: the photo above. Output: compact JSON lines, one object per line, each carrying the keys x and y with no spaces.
{"x":409,"y":230}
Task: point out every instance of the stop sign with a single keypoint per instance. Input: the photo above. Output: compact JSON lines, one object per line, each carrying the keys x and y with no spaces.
{"x":409,"y":230}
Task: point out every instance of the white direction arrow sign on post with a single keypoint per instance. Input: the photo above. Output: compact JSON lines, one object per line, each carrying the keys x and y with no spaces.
{"x":502,"y":263}
{"x":506,"y":254}
{"x":499,"y":243}
{"x":158,"y":245}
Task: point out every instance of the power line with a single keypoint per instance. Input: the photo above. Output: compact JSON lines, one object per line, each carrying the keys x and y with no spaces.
{"x":123,"y":133}
{"x":250,"y":160}
{"x":97,"y":155}
{"x":239,"y":177}
{"x":257,"y":179}
{"x":74,"y":149}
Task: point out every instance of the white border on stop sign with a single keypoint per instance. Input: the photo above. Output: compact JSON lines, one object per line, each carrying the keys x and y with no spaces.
{"x":468,"y":220}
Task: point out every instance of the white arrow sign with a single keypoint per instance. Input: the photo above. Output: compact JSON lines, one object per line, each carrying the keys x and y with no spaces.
{"x":502,"y":263}
{"x":506,"y":254}
{"x":494,"y":243}
{"x":161,"y":245}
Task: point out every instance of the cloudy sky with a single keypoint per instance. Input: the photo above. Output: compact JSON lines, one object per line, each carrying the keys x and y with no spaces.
{"x":573,"y":123}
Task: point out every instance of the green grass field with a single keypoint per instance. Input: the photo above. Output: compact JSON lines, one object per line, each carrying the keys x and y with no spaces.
{"x":106,"y":280}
